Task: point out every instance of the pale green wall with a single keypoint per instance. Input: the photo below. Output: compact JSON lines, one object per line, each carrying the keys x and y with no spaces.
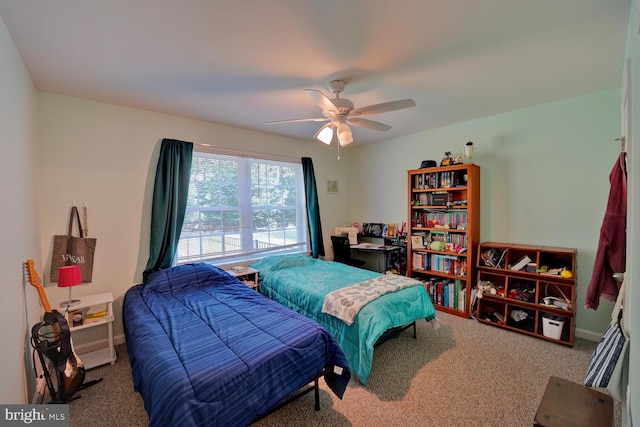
{"x":106,"y":155}
{"x":535,"y":165}
{"x":544,"y":177}
{"x":19,"y":306}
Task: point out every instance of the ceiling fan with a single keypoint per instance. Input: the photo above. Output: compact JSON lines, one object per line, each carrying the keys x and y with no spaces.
{"x":340,"y":113}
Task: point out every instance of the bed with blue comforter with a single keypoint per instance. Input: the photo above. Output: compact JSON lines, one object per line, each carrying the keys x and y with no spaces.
{"x":205,"y":349}
{"x":302,"y":283}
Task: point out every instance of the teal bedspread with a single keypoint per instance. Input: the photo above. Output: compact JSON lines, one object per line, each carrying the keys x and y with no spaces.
{"x":301,"y":283}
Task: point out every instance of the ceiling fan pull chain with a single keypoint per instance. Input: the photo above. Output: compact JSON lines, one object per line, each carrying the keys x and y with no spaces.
{"x":338,"y":144}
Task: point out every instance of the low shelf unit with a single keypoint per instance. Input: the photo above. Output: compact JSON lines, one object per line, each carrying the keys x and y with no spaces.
{"x":528,"y":289}
{"x":101,"y":304}
{"x":444,"y":218}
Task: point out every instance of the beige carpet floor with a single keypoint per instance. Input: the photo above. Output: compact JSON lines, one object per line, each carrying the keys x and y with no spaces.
{"x":461,"y":374}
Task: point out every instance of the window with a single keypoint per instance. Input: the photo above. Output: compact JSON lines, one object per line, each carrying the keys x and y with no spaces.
{"x":241,"y":208}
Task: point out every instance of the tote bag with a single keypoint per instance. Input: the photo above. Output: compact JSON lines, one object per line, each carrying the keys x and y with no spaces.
{"x":605,"y":367}
{"x":71,"y":250}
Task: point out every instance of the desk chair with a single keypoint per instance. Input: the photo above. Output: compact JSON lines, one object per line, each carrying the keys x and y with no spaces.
{"x":342,"y":252}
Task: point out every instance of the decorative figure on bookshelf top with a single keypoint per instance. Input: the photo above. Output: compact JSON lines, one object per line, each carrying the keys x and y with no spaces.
{"x":468,"y":150}
{"x":447,"y":159}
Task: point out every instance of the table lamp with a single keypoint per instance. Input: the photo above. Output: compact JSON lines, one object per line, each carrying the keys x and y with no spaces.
{"x":68,"y":276}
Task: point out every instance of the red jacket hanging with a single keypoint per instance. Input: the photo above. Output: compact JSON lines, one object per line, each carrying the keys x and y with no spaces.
{"x":611,"y":254}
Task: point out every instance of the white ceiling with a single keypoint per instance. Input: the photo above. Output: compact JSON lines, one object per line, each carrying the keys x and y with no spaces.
{"x":246,"y":62}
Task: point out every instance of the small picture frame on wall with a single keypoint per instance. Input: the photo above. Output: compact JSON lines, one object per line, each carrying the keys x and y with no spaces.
{"x":332,"y":186}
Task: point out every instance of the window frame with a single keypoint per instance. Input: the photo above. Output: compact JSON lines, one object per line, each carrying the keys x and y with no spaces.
{"x":245,"y":159}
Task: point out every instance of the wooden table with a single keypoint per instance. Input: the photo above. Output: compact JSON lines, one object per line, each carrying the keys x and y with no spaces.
{"x":566,"y":404}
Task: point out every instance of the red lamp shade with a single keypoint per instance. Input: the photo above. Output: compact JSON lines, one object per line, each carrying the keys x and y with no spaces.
{"x":68,"y":276}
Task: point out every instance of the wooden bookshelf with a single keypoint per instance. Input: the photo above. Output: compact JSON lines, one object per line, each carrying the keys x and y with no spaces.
{"x":524,"y":289}
{"x":444,"y":206}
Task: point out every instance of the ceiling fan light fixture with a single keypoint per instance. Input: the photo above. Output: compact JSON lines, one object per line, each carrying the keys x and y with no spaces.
{"x":344,"y":134}
{"x":340,"y":111}
{"x":325,"y":134}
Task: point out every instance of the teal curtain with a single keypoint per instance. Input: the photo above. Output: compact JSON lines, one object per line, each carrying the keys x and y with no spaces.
{"x":313,"y":208}
{"x":169,"y":203}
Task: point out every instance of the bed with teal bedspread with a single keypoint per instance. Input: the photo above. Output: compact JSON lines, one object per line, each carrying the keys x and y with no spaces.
{"x":300,"y":283}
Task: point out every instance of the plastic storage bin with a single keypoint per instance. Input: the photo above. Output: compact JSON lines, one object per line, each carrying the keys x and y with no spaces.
{"x":552,"y":326}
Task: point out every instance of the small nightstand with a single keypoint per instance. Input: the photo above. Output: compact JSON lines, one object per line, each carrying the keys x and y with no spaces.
{"x":98,"y":302}
{"x":248,"y":275}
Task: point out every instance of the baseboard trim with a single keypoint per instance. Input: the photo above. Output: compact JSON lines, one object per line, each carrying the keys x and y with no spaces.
{"x":588,"y":335}
{"x":91,"y":346}
{"x":97,"y":345}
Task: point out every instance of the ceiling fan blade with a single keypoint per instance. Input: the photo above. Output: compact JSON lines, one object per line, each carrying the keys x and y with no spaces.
{"x":322,"y":101}
{"x":315,"y":119}
{"x":368,"y":124}
{"x":385,"y":107}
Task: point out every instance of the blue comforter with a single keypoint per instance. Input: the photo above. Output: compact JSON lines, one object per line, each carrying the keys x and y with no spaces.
{"x":301,"y":283}
{"x":207,"y":350}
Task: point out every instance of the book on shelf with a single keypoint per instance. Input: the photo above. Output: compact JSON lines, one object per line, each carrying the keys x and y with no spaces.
{"x":522,"y":263}
{"x":473,"y":299}
{"x":426,"y":180}
{"x":417,"y":241}
{"x":438,"y":236}
{"x":443,"y":263}
{"x":95,"y":317}
{"x":420,"y":261}
{"x":451,"y":301}
{"x":445,"y":294}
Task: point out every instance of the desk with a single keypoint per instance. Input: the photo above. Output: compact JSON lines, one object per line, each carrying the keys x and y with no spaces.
{"x":376,"y":256}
